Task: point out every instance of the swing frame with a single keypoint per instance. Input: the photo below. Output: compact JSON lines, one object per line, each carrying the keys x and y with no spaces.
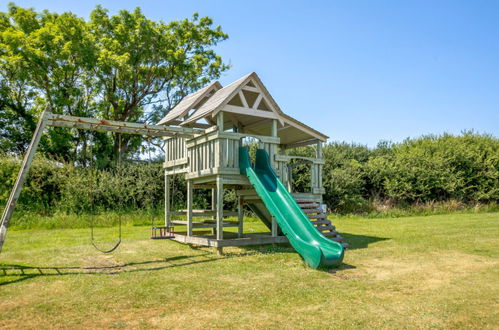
{"x":49,"y":119}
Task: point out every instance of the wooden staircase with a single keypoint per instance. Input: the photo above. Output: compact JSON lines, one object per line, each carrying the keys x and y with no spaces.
{"x":319,"y":218}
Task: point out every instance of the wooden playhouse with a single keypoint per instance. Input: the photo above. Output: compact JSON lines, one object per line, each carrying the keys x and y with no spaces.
{"x":228,"y":117}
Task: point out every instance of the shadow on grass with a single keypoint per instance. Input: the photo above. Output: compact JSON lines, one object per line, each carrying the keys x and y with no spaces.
{"x":12,"y":273}
{"x":360,"y":241}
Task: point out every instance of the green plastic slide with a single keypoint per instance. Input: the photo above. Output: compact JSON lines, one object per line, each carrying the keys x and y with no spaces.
{"x":316,"y":250}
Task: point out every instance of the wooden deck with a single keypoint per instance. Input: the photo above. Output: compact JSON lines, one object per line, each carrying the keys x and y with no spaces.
{"x":231,"y":239}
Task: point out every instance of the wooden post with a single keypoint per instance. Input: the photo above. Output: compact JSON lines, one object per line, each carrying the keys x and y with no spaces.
{"x":274,"y":227}
{"x":319,"y":166}
{"x":21,"y":176}
{"x":214,"y":208}
{"x":190,"y":192}
{"x":220,"y":121}
{"x":272,"y":149}
{"x":274,"y":127}
{"x":220,"y":208}
{"x":240,"y":217}
{"x":167,"y":200}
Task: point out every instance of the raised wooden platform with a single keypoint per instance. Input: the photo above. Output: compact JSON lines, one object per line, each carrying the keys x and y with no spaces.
{"x":248,"y":239}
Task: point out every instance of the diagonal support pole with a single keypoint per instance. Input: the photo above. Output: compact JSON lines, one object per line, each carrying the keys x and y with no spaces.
{"x":21,"y":176}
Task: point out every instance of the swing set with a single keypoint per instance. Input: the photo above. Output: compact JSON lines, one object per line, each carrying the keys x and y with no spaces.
{"x":49,"y":119}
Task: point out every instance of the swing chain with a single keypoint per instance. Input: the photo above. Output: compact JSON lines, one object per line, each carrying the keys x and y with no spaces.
{"x":92,"y":220}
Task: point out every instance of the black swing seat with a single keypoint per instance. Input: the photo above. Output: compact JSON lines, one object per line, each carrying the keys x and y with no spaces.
{"x":164,"y":232}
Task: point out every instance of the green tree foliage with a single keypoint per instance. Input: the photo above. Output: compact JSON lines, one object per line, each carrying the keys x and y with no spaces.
{"x":147,"y":64}
{"x":443,"y":168}
{"x":428,"y":169}
{"x":123,"y":67}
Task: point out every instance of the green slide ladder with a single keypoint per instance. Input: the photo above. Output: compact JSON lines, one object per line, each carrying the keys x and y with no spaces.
{"x":316,"y":250}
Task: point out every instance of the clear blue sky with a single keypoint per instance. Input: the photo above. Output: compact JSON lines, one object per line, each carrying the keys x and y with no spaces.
{"x":359,"y":71}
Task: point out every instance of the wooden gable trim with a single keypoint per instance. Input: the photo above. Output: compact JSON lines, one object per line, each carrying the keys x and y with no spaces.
{"x":260,"y":88}
{"x":250,"y":112}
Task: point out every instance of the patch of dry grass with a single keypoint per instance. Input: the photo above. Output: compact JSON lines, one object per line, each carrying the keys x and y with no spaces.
{"x":416,"y":272}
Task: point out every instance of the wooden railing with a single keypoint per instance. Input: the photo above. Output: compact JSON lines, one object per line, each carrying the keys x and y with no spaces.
{"x":176,"y":160}
{"x":214,"y":152}
{"x":217,"y":152}
{"x":316,"y":164}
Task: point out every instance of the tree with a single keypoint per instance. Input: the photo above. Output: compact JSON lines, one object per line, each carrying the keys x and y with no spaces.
{"x":145,"y":67}
{"x":46,"y":60}
{"x":122,"y":67}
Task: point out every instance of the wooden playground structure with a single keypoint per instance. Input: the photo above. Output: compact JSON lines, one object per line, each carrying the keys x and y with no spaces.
{"x":233,"y":114}
{"x":203,"y":134}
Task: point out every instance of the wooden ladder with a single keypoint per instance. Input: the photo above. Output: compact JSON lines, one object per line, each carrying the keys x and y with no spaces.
{"x":319,"y":218}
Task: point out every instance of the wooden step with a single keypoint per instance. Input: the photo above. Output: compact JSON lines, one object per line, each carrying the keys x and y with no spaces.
{"x":310,"y":211}
{"x":308,"y":206}
{"x":331,"y":234}
{"x":317,"y":216}
{"x":305,"y":200}
{"x":322,"y":222}
{"x":325,"y":227}
{"x":338,"y":239}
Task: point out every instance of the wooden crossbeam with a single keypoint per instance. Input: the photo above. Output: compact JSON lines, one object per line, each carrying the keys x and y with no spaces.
{"x":50,"y":119}
{"x":102,"y":125}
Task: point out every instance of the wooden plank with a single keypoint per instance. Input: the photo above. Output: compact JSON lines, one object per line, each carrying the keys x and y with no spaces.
{"x":220,"y":121}
{"x":21,"y":176}
{"x":243,"y":99}
{"x":190,"y":196}
{"x":305,"y":200}
{"x":204,"y":224}
{"x":248,"y":239}
{"x":287,"y":158}
{"x":240,"y":217}
{"x":251,"y":89}
{"x":167,"y":200}
{"x":250,"y":112}
{"x":204,"y":213}
{"x":220,"y":206}
{"x":311,"y":211}
{"x":57,"y":120}
{"x":175,"y":162}
{"x":257,"y":101}
{"x":316,"y":216}
{"x":308,"y":206}
{"x":230,"y":153}
{"x":322,"y":222}
{"x":325,"y":227}
{"x":274,"y":227}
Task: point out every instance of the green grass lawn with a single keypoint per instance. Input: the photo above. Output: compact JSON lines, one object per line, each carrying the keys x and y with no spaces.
{"x":415,"y":272}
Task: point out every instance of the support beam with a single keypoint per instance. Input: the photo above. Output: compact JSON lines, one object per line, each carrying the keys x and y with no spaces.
{"x":243,"y":99}
{"x":21,"y":176}
{"x":220,"y":121}
{"x":94,"y":124}
{"x":214,"y":207}
{"x":274,"y":227}
{"x":274,"y":128}
{"x":167,"y":200}
{"x":220,"y":208}
{"x":190,"y":196}
{"x":240,"y":217}
{"x":319,"y":149}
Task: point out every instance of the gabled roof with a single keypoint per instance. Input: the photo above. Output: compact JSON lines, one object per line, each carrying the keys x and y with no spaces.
{"x":246,"y":103}
{"x":189,"y":102}
{"x":223,"y":96}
